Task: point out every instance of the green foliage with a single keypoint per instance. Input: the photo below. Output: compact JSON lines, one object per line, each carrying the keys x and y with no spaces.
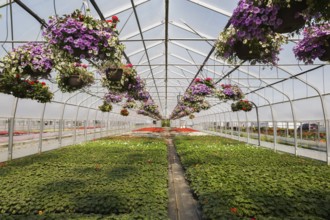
{"x":115,"y":178}
{"x":166,"y":123}
{"x":233,"y":180}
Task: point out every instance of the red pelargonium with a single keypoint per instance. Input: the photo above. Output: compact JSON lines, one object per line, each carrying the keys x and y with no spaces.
{"x":115,"y":19}
{"x":109,"y":21}
{"x":233,"y":210}
{"x":197,"y":80}
{"x":129,"y":65}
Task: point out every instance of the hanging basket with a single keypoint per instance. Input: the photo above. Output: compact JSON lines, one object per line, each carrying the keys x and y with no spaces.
{"x":243,"y":52}
{"x":75,"y":81}
{"x":114,"y":74}
{"x":291,"y":20}
{"x":326,"y":56}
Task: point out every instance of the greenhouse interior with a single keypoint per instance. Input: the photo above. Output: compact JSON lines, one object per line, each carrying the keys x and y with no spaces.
{"x":159,"y":109}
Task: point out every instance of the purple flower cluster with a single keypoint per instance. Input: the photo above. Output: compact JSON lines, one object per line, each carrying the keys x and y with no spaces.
{"x":314,"y":43}
{"x":80,"y":35}
{"x":113,"y":97}
{"x":150,"y":106}
{"x":192,"y":98}
{"x":232,"y":92}
{"x":137,"y":85}
{"x":200,"y":89}
{"x":252,"y":19}
{"x":33,"y":58}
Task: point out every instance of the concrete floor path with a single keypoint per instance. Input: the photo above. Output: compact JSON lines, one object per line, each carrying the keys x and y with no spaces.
{"x":182,"y":205}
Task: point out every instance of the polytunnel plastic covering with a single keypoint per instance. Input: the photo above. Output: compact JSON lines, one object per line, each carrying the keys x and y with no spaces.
{"x":168,"y":52}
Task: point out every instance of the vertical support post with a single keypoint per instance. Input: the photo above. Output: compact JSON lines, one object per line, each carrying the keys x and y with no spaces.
{"x":85,"y":129}
{"x":11,"y":123}
{"x":258,"y":123}
{"x":41,"y":129}
{"x":300,"y":130}
{"x":275,"y":135}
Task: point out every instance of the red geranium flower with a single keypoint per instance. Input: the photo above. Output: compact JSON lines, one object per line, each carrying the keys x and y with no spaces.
{"x":233,"y":210}
{"x":109,"y":21}
{"x":43,"y":83}
{"x":115,"y":19}
{"x":129,"y":65}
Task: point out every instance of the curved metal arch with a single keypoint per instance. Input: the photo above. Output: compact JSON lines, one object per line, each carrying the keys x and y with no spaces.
{"x":324,"y":109}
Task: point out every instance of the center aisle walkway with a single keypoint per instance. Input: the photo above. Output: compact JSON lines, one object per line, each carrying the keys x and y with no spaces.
{"x":182,"y":205}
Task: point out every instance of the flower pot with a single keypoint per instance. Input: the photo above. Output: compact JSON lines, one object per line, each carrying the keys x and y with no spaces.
{"x":114,"y":74}
{"x":291,"y":20}
{"x":75,"y":81}
{"x":326,"y":55}
{"x":242,"y":52}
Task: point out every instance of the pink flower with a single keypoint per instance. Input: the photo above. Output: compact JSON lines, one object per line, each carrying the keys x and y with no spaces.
{"x":129,"y":65}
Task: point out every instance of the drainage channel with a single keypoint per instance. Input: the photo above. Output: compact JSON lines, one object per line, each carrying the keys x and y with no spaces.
{"x":182,"y":205}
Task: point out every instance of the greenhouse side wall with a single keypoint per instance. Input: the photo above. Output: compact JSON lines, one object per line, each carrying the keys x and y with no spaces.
{"x":28,"y":127}
{"x":277,"y":136}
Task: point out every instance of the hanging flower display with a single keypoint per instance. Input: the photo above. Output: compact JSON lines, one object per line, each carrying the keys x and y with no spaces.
{"x":199,"y":89}
{"x":250,"y":35}
{"x":141,"y":95}
{"x":73,"y":76}
{"x":315,"y":44}
{"x":318,"y":10}
{"x":31,"y":59}
{"x":83,"y":37}
{"x":207,"y":81}
{"x":254,"y":18}
{"x":105,"y":107}
{"x":124,"y":112}
{"x":25,"y":88}
{"x":290,"y":14}
{"x":244,"y":105}
{"x":113,"y":97}
{"x":128,"y":78}
{"x":130,"y":104}
{"x":233,"y":44}
{"x":230,"y":92}
{"x":150,"y":106}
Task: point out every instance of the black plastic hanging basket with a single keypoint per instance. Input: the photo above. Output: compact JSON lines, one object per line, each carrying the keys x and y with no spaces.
{"x":75,"y":81}
{"x":114,"y":74}
{"x":326,"y":56}
{"x":292,"y":21}
{"x":243,"y":52}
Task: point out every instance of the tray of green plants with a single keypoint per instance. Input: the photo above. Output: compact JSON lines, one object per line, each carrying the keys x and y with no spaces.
{"x":113,"y":178}
{"x":232,"y":180}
